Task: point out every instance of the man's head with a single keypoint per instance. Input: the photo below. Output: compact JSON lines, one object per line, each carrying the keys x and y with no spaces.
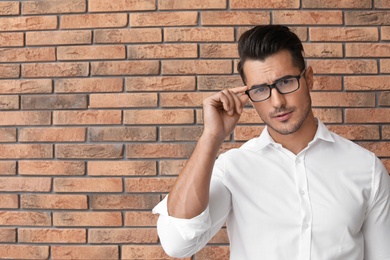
{"x":261,"y":42}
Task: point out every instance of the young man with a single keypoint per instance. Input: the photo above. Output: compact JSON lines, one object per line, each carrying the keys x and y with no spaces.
{"x":297,"y":191}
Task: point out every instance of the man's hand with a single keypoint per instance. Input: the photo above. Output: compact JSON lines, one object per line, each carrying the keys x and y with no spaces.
{"x":222,"y":111}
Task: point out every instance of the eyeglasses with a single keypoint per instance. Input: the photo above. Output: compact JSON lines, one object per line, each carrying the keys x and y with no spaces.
{"x":284,"y":85}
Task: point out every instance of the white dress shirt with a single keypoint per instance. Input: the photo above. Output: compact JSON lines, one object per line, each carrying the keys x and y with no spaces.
{"x":329,"y":202}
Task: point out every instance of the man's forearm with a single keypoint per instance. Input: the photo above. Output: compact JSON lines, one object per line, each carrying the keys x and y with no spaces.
{"x":190,"y":194}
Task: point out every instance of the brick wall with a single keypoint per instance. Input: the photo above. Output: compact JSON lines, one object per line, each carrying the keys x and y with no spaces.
{"x":100,"y":105}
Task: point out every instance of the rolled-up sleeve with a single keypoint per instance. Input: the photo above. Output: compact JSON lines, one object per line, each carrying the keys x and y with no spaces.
{"x":376,"y":227}
{"x":184,"y":237}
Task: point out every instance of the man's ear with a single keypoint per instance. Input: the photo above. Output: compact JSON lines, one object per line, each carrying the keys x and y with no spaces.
{"x":309,"y":78}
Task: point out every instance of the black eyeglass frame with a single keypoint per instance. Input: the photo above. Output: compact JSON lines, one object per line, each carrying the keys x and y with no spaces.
{"x":298,"y":77}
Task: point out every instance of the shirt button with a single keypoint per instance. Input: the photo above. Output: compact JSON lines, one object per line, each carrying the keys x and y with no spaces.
{"x":302,"y":192}
{"x":305,"y":226}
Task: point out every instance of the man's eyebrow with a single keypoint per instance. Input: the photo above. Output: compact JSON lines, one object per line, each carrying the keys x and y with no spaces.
{"x":277,"y":80}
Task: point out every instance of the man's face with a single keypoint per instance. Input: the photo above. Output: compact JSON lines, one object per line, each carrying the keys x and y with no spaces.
{"x":283,"y":113}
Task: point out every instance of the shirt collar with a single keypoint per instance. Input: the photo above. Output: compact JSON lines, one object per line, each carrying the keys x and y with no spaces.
{"x":322,"y":133}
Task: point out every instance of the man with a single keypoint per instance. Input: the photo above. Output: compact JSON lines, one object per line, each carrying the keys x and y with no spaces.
{"x":297,"y":191}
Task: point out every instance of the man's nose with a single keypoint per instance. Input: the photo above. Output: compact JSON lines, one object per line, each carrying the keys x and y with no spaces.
{"x":277,"y":100}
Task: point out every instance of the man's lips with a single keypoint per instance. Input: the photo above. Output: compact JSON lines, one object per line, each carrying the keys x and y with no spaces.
{"x":283,"y":116}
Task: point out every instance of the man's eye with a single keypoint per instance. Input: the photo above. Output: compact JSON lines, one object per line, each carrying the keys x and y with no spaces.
{"x":286,"y":81}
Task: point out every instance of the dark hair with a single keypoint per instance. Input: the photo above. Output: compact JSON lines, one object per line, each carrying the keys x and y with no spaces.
{"x":262,"y":41}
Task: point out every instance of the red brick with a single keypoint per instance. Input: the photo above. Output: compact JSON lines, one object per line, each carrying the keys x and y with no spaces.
{"x":183,"y":99}
{"x":89,"y":151}
{"x":11,"y":39}
{"x":87,"y":117}
{"x":120,"y":5}
{"x":67,"y":134}
{"x":166,"y":116}
{"x":25,"y":184}
{"x":20,"y":218}
{"x":323,"y":50}
{"x":366,"y":17}
{"x":160,"y":83}
{"x":53,"y":102}
{"x":51,"y":235}
{"x":384,"y":99}
{"x":213,"y":252}
{"x":367,"y":50}
{"x":9,"y":8}
{"x":106,"y":52}
{"x":218,"y":50}
{"x":127,"y":202}
{"x":386,"y":162}
{"x":357,"y":4}
{"x":120,"y":134}
{"x":8,"y":201}
{"x":235,"y":18}
{"x":219,"y":82}
{"x":144,"y":252}
{"x":123,"y":100}
{"x":159,"y":150}
{"x":49,"y":7}
{"x":142,"y":67}
{"x":380,"y":149}
{"x":9,"y":102}
{"x":93,"y":21}
{"x":140,"y":218}
{"x":121,"y":168}
{"x":162,"y":51}
{"x":89,"y":85}
{"x":196,"y":67}
{"x":51,"y":167}
{"x":58,"y":37}
{"x":163,"y":19}
{"x":26,"y":86}
{"x":361,"y":115}
{"x":246,"y":4}
{"x":27,"y":54}
{"x":342,"y":99}
{"x":343,"y":34}
{"x":7,"y":168}
{"x":327,"y":83}
{"x":7,"y":235}
{"x":9,"y":71}
{"x":196,"y":4}
{"x":386,"y":132}
{"x":10,"y":118}
{"x":133,"y":35}
{"x":220,"y":238}
{"x":356,"y":132}
{"x":307,"y":17}
{"x":329,"y":115}
{"x":244,"y":133}
{"x":201,"y":34}
{"x":171,"y":167}
{"x":24,"y":252}
{"x":53,"y":201}
{"x":88,"y":184}
{"x":90,"y":219}
{"x":385,"y":33}
{"x":228,"y":146}
{"x":149,"y":184}
{"x":58,"y":69}
{"x":385,"y":66}
{"x":26,"y":151}
{"x":382,"y":4}
{"x":26,"y":23}
{"x":182,"y":133}
{"x":122,"y":235}
{"x":344,"y":66}
{"x":85,"y":252}
{"x":362,"y":83}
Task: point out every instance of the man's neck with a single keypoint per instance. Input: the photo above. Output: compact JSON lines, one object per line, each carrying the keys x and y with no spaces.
{"x":298,"y":140}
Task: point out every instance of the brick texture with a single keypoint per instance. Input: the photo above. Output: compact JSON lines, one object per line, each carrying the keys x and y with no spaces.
{"x":101,"y":105}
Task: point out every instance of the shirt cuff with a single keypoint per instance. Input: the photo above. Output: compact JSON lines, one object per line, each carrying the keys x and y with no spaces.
{"x":187,"y":228}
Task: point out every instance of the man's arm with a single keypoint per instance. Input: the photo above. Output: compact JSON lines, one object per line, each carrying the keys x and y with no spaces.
{"x":190,"y":194}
